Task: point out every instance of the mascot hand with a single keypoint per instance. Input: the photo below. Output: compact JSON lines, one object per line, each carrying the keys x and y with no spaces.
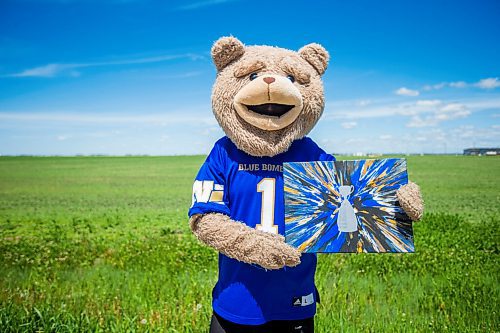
{"x":240,"y":242}
{"x":410,"y":199}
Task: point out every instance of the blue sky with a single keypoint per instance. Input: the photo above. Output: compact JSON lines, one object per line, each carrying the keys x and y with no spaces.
{"x":134,"y":76}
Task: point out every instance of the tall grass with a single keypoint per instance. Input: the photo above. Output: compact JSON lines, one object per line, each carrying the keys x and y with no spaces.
{"x":102,"y":244}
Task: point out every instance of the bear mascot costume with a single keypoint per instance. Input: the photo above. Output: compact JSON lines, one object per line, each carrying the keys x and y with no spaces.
{"x":266,"y":99}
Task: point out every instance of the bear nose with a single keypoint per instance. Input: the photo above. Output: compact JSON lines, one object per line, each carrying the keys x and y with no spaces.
{"x":269,"y":80}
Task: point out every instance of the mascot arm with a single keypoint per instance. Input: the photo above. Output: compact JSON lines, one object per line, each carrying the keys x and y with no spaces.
{"x":410,"y":199}
{"x":238,"y":241}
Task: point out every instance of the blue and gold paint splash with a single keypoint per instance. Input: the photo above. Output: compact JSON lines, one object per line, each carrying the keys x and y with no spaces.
{"x":313,"y":199}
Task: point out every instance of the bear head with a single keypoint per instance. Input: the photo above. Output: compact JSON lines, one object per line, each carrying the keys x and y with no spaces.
{"x":266,"y":97}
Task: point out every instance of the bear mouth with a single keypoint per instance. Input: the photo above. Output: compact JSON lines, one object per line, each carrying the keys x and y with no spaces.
{"x":270,"y":109}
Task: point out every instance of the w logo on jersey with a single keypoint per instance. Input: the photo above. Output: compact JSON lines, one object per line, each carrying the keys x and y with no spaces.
{"x":205,"y":191}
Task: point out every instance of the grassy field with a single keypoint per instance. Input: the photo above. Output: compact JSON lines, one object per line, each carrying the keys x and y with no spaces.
{"x":102,"y":244}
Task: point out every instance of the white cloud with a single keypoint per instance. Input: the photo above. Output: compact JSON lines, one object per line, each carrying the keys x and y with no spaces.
{"x":161,"y":120}
{"x":449,"y":116}
{"x":429,"y":103}
{"x":435,"y":140}
{"x":364,"y":102}
{"x":43,"y":71}
{"x":52,"y":70}
{"x":458,"y":84}
{"x":385,"y":137}
{"x":418,"y":114}
{"x":403,"y":91}
{"x":355,"y":140}
{"x":453,"y":107}
{"x":434,"y":86}
{"x":349,"y":111}
{"x":447,"y":112}
{"x":475,"y":133}
{"x":439,"y":85}
{"x":184,"y":75}
{"x":107,"y":132}
{"x":211,"y":130}
{"x":349,"y":124}
{"x":489,"y":83}
{"x":418,"y":121}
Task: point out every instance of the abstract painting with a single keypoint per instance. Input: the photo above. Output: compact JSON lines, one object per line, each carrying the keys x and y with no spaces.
{"x":346,"y":206}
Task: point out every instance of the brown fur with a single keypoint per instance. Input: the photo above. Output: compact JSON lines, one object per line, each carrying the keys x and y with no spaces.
{"x":253,"y":140}
{"x":240,"y":242}
{"x":235,"y":62}
{"x":316,"y":55}
{"x":410,"y":199}
{"x":226,"y":50}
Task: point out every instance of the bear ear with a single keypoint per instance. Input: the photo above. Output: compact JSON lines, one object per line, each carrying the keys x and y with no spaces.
{"x":225,"y":50}
{"x":316,"y":55}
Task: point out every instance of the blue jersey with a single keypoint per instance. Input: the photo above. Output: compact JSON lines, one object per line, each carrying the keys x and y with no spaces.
{"x":250,"y":190}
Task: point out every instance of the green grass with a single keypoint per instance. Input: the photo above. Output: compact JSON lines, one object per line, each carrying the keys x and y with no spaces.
{"x":102,"y":244}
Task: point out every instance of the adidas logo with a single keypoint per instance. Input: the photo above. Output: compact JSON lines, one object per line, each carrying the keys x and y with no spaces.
{"x":303,"y":300}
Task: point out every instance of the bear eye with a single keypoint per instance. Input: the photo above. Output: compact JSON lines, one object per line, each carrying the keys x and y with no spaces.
{"x":291,"y":78}
{"x":253,"y":76}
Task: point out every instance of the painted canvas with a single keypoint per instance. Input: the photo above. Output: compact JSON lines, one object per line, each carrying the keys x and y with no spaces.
{"x":346,"y":206}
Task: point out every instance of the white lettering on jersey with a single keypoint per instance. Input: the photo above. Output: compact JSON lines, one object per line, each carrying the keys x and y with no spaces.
{"x":206,"y":191}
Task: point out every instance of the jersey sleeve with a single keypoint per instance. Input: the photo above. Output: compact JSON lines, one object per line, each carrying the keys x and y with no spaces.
{"x":316,"y":153}
{"x":325,"y":157}
{"x":209,"y":194}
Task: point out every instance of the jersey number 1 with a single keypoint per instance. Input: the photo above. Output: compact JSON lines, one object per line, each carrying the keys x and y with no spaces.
{"x":267,"y":187}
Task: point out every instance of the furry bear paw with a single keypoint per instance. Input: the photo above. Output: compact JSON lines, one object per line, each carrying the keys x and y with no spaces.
{"x":410,"y":199}
{"x":274,"y":253}
{"x":238,"y":241}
